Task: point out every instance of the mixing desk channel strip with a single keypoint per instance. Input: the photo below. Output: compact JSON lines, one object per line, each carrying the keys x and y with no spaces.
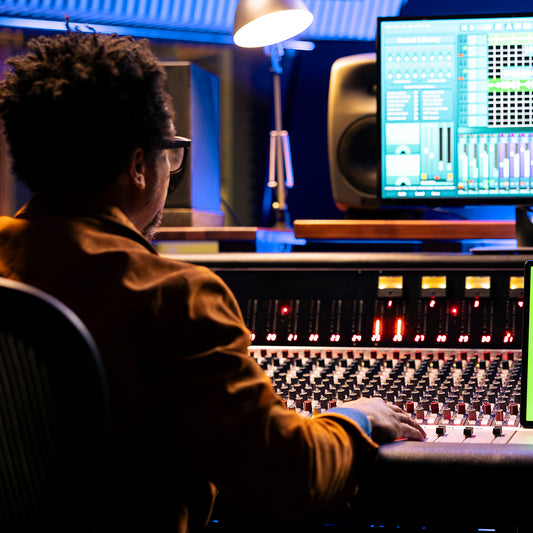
{"x":458,"y":396}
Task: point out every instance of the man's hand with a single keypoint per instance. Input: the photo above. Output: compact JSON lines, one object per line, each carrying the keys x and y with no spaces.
{"x":388,"y":421}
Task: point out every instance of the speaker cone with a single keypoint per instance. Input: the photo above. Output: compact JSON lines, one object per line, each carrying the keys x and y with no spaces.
{"x":357,"y":154}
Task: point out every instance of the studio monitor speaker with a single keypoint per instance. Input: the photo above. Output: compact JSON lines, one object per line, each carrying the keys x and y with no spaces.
{"x":352,"y":132}
{"x":195,"y":94}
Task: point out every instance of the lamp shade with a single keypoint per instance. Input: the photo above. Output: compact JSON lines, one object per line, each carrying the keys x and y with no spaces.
{"x":265,"y":22}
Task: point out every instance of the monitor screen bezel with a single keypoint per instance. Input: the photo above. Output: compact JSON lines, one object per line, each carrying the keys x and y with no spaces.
{"x":441,"y":201}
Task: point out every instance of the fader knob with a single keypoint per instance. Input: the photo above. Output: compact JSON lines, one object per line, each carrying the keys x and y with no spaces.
{"x":468,"y":431}
{"x":502,"y":406}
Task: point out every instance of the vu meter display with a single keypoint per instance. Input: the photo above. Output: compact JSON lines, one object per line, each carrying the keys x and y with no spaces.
{"x":433,"y":286}
{"x":390,"y":286}
{"x":477,"y":282}
{"x":516,"y":283}
{"x":456,"y":109}
{"x":433,"y":282}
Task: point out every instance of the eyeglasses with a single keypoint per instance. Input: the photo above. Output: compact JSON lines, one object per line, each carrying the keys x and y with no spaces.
{"x":177,"y":149}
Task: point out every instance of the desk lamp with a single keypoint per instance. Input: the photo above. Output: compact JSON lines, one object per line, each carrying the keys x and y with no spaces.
{"x":268,"y":23}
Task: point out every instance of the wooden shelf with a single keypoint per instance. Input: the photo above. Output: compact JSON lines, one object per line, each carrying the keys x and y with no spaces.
{"x":404,"y":229}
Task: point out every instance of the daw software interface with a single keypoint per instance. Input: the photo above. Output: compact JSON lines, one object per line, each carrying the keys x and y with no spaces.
{"x":456,"y":109}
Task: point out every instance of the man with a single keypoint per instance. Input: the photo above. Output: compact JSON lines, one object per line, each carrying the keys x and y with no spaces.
{"x":89,"y":127}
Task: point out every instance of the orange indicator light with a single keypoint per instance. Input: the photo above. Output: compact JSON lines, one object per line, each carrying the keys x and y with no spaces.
{"x":398,"y":336}
{"x":377,"y":330}
{"x":399,"y":327}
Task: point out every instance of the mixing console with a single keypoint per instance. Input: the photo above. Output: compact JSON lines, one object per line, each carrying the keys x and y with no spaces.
{"x":438,"y":335}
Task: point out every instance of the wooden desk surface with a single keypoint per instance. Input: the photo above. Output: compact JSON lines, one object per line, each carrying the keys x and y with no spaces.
{"x":404,"y":229}
{"x":215,"y":233}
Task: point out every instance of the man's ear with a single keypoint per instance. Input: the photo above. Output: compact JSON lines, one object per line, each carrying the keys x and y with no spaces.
{"x":137,"y":169}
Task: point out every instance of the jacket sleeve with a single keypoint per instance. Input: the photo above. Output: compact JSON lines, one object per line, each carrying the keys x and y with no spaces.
{"x":221,"y":407}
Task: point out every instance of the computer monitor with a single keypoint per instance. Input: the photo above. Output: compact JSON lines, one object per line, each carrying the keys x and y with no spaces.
{"x":455,"y":110}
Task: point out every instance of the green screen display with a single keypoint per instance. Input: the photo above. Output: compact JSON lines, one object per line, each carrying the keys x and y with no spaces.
{"x":529,"y":389}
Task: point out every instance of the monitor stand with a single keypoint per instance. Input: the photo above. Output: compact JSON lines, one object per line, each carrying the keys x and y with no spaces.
{"x":524,"y":235}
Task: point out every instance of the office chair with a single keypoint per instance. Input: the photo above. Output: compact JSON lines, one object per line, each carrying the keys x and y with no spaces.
{"x":54,"y":416}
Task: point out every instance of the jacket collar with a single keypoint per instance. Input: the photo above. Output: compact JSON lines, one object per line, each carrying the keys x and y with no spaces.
{"x":81,"y":205}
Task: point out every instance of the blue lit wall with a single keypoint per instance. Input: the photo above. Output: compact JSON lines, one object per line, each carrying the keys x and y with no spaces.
{"x":191,"y":20}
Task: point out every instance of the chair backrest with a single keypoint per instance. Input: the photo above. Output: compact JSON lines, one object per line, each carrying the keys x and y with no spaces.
{"x":54,"y":415}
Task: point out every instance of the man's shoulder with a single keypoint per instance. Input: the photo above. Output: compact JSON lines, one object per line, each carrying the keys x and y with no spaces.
{"x":173,"y":271}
